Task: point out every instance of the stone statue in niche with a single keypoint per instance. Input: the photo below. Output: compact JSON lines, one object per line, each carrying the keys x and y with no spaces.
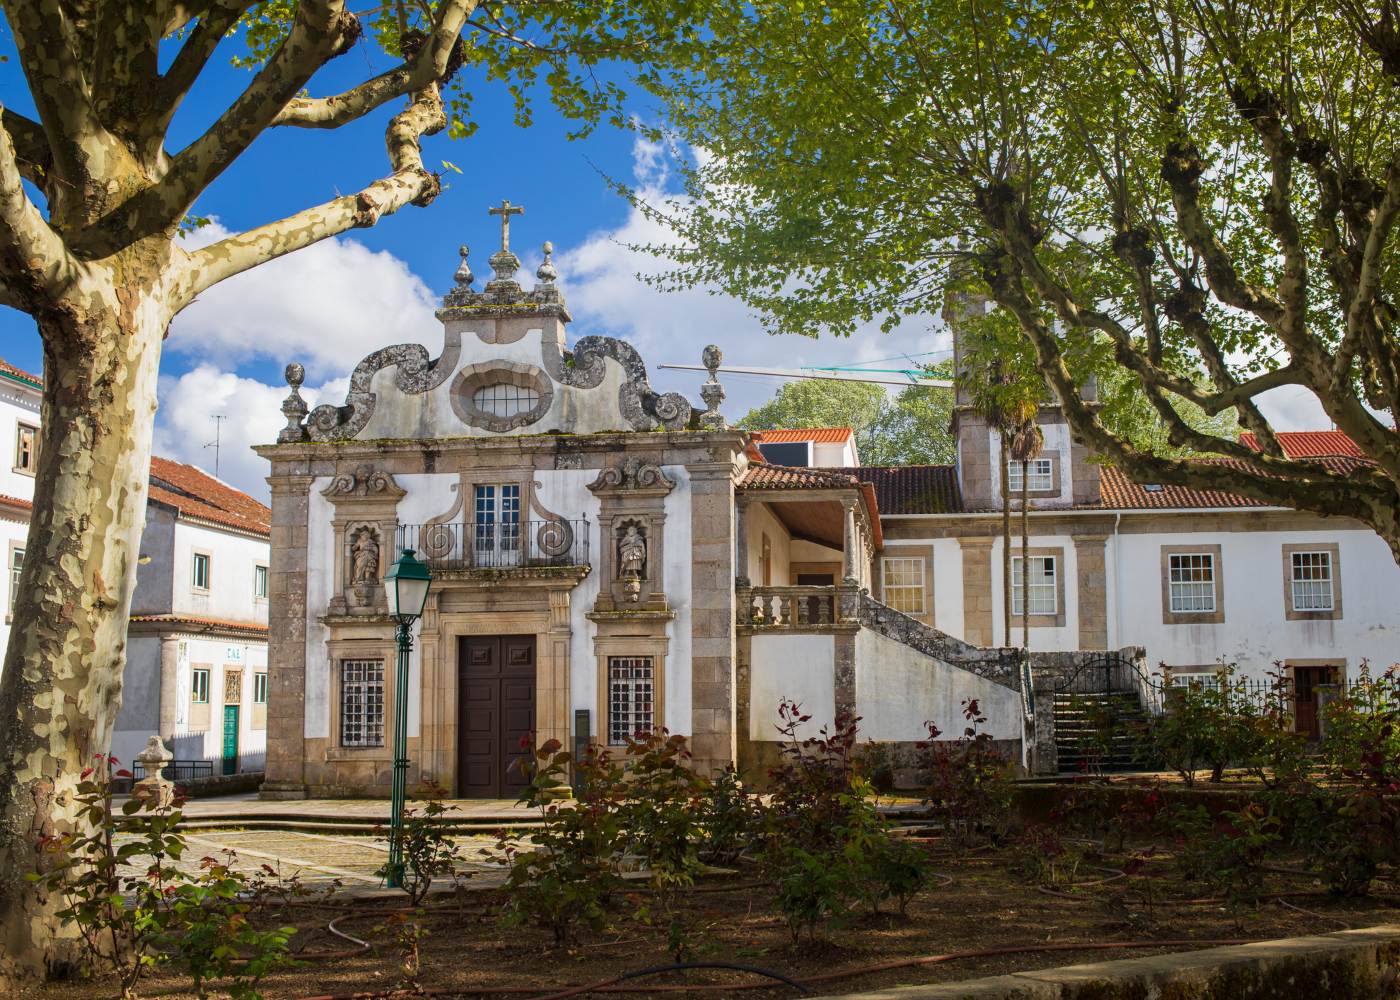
{"x":364,"y":565}
{"x":632,"y":561}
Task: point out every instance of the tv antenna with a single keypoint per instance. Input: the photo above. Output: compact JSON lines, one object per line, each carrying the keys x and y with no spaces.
{"x":219,"y":419}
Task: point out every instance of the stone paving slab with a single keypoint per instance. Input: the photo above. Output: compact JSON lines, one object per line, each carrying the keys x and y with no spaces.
{"x":319,"y":860}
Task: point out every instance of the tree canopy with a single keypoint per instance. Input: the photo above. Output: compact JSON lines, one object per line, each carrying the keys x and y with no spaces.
{"x":1198,"y":194}
{"x":908,"y":428}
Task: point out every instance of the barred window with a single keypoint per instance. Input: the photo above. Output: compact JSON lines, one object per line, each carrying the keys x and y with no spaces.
{"x":505,"y":400}
{"x":362,"y":703}
{"x":902,"y":583}
{"x":1044,"y":599}
{"x":630,"y":686}
{"x":1040,"y":473}
{"x":260,"y":688}
{"x":1312,"y":581}
{"x":1191,"y":582}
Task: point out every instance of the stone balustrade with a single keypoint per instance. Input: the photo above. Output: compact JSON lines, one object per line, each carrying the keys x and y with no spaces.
{"x":797,"y":607}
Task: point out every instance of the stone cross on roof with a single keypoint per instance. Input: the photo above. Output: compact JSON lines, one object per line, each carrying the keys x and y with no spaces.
{"x":505,"y":210}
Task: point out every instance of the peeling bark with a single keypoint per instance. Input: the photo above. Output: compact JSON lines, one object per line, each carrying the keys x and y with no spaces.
{"x":62,"y":684}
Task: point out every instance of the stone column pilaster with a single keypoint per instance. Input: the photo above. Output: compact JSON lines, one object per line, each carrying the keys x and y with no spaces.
{"x":286,"y":639}
{"x":978,"y":605}
{"x":1093,"y":591}
{"x":169,"y":708}
{"x":712,"y":684}
{"x":741,"y":543}
{"x":849,"y":542}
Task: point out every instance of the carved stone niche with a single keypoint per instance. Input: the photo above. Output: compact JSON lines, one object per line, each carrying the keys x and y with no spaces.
{"x":632,"y":523}
{"x":366,"y":505}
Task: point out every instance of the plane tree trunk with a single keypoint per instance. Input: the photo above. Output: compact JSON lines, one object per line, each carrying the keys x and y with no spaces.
{"x":63,"y":679}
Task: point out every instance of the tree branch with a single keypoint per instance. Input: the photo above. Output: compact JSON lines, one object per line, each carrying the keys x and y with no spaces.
{"x":409,"y":184}
{"x":1305,"y":486}
{"x":34,"y":262}
{"x":32,"y":156}
{"x":322,"y":30}
{"x":428,"y":64}
{"x":214,"y":25}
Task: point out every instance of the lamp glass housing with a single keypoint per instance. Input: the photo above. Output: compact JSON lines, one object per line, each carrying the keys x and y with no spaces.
{"x":406,"y":586}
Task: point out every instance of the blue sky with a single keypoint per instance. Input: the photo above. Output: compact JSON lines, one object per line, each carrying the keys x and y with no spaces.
{"x":331,"y":304}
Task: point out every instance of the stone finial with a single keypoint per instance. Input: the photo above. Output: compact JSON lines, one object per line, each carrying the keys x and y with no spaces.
{"x":153,"y":789}
{"x":294,"y":407}
{"x":712,"y":392}
{"x":464,"y":276}
{"x":546,"y":272}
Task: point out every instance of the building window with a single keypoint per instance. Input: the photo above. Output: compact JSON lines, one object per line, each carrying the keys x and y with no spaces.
{"x":1040,"y":474}
{"x":1191,"y":582}
{"x":26,"y":449}
{"x":1202,"y":680}
{"x":16,"y":565}
{"x":497,"y":511}
{"x":362,"y":703}
{"x":233,"y":687}
{"x":199,"y":686}
{"x":505,"y":400}
{"x":260,"y":583}
{"x":199,"y":576}
{"x":1042,"y":585}
{"x":260,"y":688}
{"x":902,"y":584}
{"x":630,"y":687}
{"x":1312,"y":581}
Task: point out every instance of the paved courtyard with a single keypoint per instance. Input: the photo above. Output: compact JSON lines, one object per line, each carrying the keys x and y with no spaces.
{"x":319,"y":859}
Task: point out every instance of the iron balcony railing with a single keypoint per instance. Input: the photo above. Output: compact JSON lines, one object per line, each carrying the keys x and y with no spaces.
{"x":498,"y":544}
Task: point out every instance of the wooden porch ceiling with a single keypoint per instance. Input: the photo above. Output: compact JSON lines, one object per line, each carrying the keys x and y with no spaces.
{"x":821,"y":521}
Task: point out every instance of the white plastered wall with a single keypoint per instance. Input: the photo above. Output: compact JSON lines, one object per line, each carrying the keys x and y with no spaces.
{"x":899,"y":689}
{"x":1045,"y":639}
{"x":759,"y":520}
{"x":788,"y":667}
{"x":232,"y":559}
{"x":1256,"y":632}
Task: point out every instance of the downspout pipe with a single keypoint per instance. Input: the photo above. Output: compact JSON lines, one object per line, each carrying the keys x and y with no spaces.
{"x":1117,"y":642}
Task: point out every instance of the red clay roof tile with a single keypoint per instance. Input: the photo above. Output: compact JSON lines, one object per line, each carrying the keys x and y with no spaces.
{"x":195,"y":493}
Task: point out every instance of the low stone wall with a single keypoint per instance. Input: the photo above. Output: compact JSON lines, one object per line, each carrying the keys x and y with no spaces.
{"x":1347,"y":965}
{"x":220,"y":784}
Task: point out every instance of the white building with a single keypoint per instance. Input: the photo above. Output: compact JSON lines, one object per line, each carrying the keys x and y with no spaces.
{"x":20,"y":393}
{"x":196,"y":669}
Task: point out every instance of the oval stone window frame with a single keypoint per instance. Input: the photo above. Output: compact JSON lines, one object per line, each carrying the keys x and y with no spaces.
{"x":475,"y":377}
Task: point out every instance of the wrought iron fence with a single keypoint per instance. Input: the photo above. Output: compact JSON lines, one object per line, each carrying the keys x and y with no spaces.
{"x":498,"y":544}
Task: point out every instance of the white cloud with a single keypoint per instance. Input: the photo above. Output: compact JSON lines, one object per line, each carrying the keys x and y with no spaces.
{"x":185,"y":424}
{"x":326,"y":306}
{"x":601,"y":284}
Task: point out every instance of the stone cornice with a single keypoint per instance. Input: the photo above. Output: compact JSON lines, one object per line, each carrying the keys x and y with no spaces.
{"x":610,"y":441}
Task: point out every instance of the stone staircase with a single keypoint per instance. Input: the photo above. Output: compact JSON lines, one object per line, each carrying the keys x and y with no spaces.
{"x":1104,"y":731}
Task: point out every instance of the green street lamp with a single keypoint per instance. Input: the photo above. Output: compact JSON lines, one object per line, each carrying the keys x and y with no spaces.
{"x":406,"y":585}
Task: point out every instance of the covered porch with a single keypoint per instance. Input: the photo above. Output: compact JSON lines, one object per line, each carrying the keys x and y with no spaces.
{"x":805,"y":545}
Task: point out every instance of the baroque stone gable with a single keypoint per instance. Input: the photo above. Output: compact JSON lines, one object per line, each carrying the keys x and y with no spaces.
{"x":505,"y":368}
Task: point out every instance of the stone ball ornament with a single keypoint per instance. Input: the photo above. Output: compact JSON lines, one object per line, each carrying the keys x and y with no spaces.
{"x":295,"y":374}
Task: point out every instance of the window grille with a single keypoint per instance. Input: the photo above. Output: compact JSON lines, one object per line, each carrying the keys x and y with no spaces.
{"x":199,"y":686}
{"x":505,"y":400}
{"x":16,"y":566}
{"x":1312,"y":581}
{"x":1040,"y":471}
{"x":630,"y":687}
{"x":1044,"y":599}
{"x":902,"y":584}
{"x":1191,"y":582}
{"x":260,"y":688}
{"x":233,"y":687}
{"x":362,"y":703}
{"x":200,"y":575}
